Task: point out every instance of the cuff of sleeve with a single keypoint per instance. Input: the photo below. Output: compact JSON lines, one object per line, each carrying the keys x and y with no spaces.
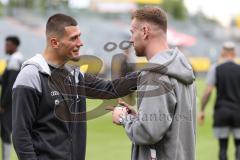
{"x":127,"y":119}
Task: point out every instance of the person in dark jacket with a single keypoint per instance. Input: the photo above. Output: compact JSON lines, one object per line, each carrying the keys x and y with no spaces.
{"x":14,"y":62}
{"x":49,"y":97}
{"x":225,"y":77}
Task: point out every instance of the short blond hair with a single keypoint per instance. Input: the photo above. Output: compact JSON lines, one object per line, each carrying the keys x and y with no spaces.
{"x":154,"y":15}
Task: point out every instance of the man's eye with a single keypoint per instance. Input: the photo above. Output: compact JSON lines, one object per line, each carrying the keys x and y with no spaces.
{"x":73,"y":38}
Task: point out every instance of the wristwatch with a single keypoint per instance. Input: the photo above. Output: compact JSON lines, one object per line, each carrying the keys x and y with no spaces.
{"x":122,"y":120}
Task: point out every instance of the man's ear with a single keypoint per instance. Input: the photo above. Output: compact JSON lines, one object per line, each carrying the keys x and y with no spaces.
{"x":54,"y":42}
{"x":146,"y":30}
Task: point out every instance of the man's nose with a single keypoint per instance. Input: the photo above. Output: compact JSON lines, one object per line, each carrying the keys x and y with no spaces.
{"x":79,"y":42}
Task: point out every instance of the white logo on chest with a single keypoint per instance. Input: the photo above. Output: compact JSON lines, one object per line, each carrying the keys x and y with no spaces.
{"x":54,"y":93}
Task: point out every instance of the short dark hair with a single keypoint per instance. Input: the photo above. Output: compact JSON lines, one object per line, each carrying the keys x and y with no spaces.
{"x":14,"y":39}
{"x":57,"y":22}
{"x":154,"y":15}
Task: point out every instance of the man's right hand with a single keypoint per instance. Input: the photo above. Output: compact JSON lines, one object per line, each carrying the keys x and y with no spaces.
{"x":201,"y":118}
{"x":130,"y":109}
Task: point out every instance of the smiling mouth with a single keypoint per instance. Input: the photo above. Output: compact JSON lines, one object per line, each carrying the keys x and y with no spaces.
{"x":76,"y":50}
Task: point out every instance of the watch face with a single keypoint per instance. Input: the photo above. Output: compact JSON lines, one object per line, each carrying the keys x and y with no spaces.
{"x":121,"y":120}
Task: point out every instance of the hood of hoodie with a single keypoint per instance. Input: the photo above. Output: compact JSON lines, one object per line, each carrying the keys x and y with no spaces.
{"x":173,"y":63}
{"x":39,"y":62}
{"x":43,"y":67}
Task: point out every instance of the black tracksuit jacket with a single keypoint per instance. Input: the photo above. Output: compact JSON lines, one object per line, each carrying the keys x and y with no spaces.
{"x":49,"y":105}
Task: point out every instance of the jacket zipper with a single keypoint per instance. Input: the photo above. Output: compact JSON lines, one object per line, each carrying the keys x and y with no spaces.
{"x":75,"y":98}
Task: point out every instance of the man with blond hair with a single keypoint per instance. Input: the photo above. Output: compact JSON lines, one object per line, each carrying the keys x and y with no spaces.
{"x":164,"y":126}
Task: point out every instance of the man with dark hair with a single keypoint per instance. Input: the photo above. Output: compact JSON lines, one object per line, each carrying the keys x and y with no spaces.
{"x":12,"y":40}
{"x":14,"y":62}
{"x":164,"y":126}
{"x":225,"y":77}
{"x":49,"y":97}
